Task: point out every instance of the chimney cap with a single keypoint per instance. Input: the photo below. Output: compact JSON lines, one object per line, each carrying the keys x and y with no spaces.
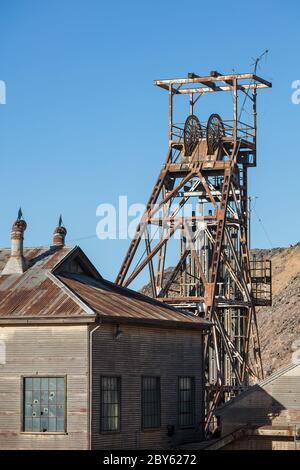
{"x":59,"y":233}
{"x":20,"y":223}
{"x":16,"y":263}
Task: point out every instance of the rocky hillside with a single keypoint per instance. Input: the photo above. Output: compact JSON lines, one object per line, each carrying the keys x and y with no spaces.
{"x":279,"y":325}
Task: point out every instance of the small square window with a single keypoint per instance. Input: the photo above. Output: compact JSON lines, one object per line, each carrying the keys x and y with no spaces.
{"x":44,"y":404}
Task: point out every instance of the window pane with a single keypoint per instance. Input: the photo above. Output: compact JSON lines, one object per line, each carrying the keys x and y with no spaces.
{"x":52,"y":411}
{"x":44,"y":384}
{"x":44,"y":424}
{"x":60,"y":397}
{"x":36,"y":411}
{"x":60,"y":425}
{"x":36,"y":384}
{"x":52,"y":397}
{"x":150,"y":402}
{"x":60,"y":410}
{"x":28,"y":424}
{"x":110,"y":404}
{"x":36,"y":424}
{"x":28,"y":396}
{"x":52,"y":383}
{"x":28,"y":410}
{"x":60,"y":383}
{"x":44,"y":404}
{"x":186,"y":401}
{"x":44,"y":397}
{"x":36,"y":396}
{"x":52,"y":424}
{"x":28,"y":382}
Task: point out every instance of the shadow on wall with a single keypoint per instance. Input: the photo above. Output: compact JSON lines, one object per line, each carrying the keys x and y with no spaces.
{"x":255,"y":407}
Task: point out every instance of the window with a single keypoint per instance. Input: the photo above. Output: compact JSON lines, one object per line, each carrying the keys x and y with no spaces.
{"x":186,"y":401}
{"x":44,"y":404}
{"x":150,"y":402}
{"x":110,"y":404}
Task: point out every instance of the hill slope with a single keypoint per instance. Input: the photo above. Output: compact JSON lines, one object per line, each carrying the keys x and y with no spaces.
{"x":279,"y":325}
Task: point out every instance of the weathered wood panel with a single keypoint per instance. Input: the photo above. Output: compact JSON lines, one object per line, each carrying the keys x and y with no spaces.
{"x":44,"y":350}
{"x":146,"y":351}
{"x":263,"y":443}
{"x":275,"y":403}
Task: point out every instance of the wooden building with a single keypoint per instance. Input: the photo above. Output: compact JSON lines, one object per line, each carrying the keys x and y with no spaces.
{"x":87,"y":364}
{"x":264,"y":417}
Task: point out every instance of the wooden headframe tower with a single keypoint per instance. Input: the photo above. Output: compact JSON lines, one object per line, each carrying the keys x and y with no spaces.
{"x":197,"y":214}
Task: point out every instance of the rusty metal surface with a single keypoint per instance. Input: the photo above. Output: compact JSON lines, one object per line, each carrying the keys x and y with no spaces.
{"x":33,"y":293}
{"x":110,"y":300}
{"x":212,"y":274}
{"x":37,"y":293}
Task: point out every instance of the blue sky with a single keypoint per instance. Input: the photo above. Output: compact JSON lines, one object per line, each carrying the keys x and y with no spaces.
{"x":83,"y":122}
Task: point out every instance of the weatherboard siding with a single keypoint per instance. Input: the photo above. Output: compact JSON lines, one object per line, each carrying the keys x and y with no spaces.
{"x":276,"y":403}
{"x":45,"y":351}
{"x":142,"y":350}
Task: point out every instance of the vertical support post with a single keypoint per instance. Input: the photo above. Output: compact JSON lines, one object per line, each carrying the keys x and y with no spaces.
{"x":191,"y":104}
{"x":254,"y":122}
{"x":249,"y":209}
{"x":235,"y":105}
{"x":245,"y":202}
{"x":170,"y":113}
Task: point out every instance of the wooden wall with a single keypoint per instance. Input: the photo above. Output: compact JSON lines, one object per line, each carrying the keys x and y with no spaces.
{"x":142,"y":350}
{"x":263,"y":443}
{"x":44,"y":350}
{"x":277,"y":403}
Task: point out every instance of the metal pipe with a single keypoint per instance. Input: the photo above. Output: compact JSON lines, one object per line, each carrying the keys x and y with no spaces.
{"x":170,"y":113}
{"x":235,"y":98}
{"x":91,"y":382}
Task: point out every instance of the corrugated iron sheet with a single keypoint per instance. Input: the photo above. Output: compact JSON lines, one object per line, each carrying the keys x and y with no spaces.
{"x":110,"y":300}
{"x":33,"y":293}
{"x":36,"y":294}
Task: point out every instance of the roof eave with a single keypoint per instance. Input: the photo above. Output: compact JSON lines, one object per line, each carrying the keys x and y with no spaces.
{"x":174,"y":324}
{"x":48,"y":320}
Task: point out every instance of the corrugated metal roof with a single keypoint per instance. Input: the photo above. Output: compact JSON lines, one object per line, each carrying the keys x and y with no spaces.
{"x":33,"y":293}
{"x":115,"y":302}
{"x":48,"y":289}
{"x":42,"y":256}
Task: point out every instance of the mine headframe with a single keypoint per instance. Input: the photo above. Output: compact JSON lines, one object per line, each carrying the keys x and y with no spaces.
{"x":194,"y":232}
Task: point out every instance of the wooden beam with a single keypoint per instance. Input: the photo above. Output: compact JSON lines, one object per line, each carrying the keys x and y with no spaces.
{"x":212,"y":79}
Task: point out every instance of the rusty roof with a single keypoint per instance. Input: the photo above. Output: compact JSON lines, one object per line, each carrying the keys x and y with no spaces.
{"x":34,"y":293}
{"x":119,"y":304}
{"x":49,"y":288}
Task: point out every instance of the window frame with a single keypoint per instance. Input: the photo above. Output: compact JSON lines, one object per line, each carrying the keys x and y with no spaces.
{"x":119,"y":391}
{"x":22,"y":396}
{"x":179,"y":401}
{"x":158,"y":381}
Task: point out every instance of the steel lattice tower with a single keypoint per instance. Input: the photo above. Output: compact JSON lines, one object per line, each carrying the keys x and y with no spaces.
{"x":212,"y":274}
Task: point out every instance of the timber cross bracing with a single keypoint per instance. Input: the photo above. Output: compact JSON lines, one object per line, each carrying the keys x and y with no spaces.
{"x":212,"y":273}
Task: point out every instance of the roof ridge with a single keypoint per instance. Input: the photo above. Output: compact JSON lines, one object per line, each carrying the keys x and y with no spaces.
{"x":111,"y":302}
{"x":70,"y":293}
{"x":137,"y":295}
{"x":261,"y":383}
{"x":278,"y":373}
